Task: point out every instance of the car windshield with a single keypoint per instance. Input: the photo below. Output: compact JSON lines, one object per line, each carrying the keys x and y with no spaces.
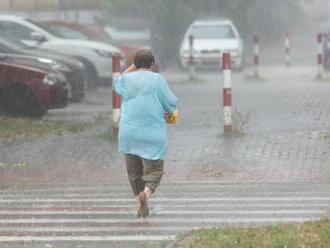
{"x":65,"y":32}
{"x":60,"y":31}
{"x":213,"y":32}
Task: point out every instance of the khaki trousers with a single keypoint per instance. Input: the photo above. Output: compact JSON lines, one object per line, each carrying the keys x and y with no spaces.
{"x":143,"y":173}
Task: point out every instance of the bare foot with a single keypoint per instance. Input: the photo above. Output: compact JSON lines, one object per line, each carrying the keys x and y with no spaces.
{"x":143,"y":209}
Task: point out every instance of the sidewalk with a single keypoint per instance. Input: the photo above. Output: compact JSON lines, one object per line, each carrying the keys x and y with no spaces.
{"x":287,"y":116}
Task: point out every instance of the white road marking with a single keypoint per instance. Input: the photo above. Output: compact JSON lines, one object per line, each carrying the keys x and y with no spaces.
{"x":184,"y":184}
{"x":87,"y":238}
{"x":180,"y":205}
{"x":164,"y":212}
{"x":117,"y":229}
{"x":157,"y":220}
{"x":161,"y":193}
{"x":206,"y":199}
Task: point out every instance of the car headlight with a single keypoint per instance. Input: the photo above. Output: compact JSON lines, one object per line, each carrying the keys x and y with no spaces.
{"x":50,"y":80}
{"x":103,"y":53}
{"x":57,"y":66}
{"x":60,"y":67}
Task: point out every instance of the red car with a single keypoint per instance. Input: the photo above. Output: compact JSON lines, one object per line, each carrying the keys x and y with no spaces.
{"x":129,"y":41}
{"x":71,"y":30}
{"x":29,"y":91}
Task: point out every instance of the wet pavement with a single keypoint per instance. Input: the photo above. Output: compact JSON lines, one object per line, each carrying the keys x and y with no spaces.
{"x":283,"y":120}
{"x":275,"y":169}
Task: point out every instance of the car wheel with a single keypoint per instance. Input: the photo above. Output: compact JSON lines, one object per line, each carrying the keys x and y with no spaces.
{"x":92,"y":75}
{"x":20,"y":100}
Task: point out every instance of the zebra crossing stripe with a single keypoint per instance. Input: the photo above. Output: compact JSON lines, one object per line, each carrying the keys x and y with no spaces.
{"x":87,"y":238}
{"x":164,"y":212}
{"x":153,"y":220}
{"x":160,"y":193}
{"x":211,"y":199}
{"x":222,"y":184}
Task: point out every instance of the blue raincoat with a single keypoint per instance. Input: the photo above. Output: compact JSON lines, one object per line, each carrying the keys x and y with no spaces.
{"x":146,"y":97}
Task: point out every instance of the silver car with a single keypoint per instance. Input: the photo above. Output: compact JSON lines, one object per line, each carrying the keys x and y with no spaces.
{"x":212,"y":38}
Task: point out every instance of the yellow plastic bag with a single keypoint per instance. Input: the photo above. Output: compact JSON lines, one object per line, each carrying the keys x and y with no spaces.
{"x":172,"y":118}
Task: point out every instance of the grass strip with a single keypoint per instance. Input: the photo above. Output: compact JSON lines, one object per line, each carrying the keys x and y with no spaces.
{"x":15,"y":128}
{"x":309,"y":234}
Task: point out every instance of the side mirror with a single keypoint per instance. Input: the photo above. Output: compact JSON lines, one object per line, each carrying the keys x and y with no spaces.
{"x":38,"y":37}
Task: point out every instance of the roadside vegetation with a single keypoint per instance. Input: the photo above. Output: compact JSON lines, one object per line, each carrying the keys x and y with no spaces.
{"x":325,"y":135}
{"x":309,"y":234}
{"x":16,"y":128}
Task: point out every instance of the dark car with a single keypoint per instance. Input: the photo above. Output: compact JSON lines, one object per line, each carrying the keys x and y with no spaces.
{"x":13,"y":51}
{"x":30,"y":91}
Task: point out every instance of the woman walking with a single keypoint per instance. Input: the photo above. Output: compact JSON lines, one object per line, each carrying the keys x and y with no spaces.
{"x":147,"y":104}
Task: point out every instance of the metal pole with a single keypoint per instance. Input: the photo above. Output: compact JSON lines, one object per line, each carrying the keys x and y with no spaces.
{"x":287,"y":44}
{"x":116,"y":101}
{"x":320,"y":73}
{"x":191,"y":58}
{"x":256,"y":61}
{"x":227,"y":99}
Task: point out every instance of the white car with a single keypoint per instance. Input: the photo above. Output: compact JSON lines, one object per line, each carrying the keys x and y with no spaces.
{"x":96,"y":56}
{"x":212,"y":38}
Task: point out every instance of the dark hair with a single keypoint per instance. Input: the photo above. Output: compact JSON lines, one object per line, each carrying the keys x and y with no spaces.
{"x":144,"y":59}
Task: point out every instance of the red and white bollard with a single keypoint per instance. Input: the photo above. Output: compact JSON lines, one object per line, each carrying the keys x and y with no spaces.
{"x":227,"y":100}
{"x":320,"y":72}
{"x":256,"y":60}
{"x":116,"y":101}
{"x":287,"y":44}
{"x":191,"y":58}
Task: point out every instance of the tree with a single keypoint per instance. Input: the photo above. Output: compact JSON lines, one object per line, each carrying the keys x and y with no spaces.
{"x":168,"y":19}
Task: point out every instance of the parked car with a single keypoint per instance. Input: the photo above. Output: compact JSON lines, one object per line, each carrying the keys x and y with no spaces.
{"x":130,"y":39}
{"x":70,"y":30}
{"x":30,"y":91}
{"x":211,"y":39}
{"x":74,"y":70}
{"x":96,"y":56}
{"x":73,"y":30}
